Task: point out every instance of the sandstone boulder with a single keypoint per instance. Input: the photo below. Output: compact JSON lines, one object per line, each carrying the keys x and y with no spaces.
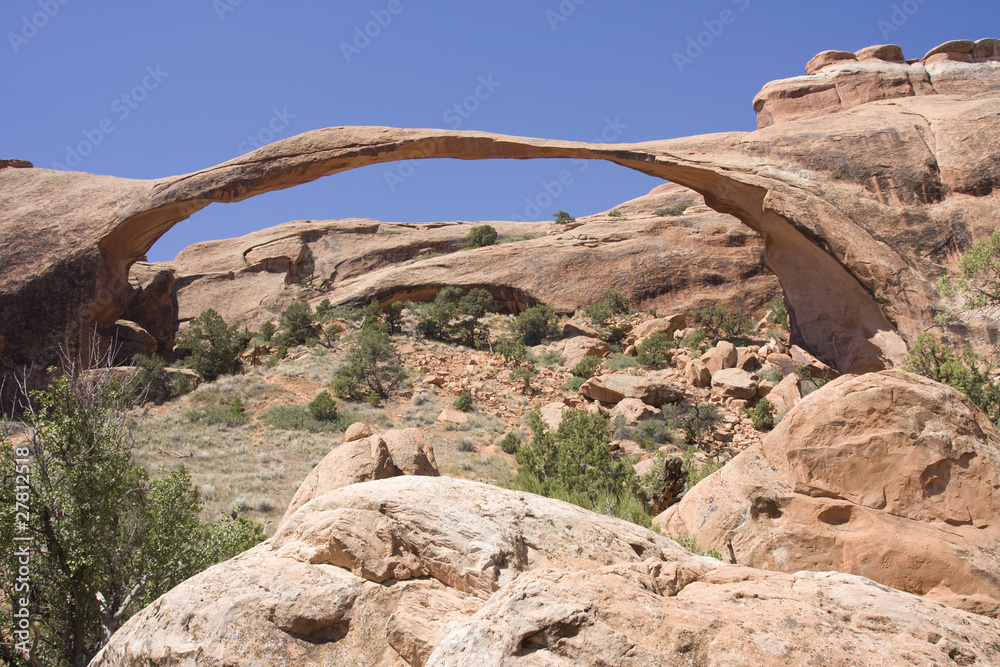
{"x":786,"y":394}
{"x":697,"y":374}
{"x":365,"y":460}
{"x":454,"y":416}
{"x":357,"y":431}
{"x":615,"y":387}
{"x":572,"y":328}
{"x":782,"y":362}
{"x":889,"y":475}
{"x":576,"y":348}
{"x":734,"y":383}
{"x":666,"y":325}
{"x":437,"y":571}
{"x":552,"y":413}
{"x":633,"y":411}
{"x":723,"y":355}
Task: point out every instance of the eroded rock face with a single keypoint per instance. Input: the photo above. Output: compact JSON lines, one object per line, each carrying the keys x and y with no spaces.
{"x":438,"y":571}
{"x":888,"y":475}
{"x":860,"y":211}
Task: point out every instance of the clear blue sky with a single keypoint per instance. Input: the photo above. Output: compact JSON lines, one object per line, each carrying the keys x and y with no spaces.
{"x":201,"y":77}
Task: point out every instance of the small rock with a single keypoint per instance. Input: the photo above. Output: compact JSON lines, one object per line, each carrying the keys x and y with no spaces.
{"x":571,"y":328}
{"x":454,"y":416}
{"x":357,"y":431}
{"x":632,"y":410}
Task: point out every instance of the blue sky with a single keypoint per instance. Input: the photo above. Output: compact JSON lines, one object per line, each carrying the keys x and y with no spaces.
{"x":150,"y":89}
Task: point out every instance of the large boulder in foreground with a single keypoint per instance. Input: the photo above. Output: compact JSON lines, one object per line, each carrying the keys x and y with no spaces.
{"x":377,"y":456}
{"x":438,"y":571}
{"x":888,"y":475}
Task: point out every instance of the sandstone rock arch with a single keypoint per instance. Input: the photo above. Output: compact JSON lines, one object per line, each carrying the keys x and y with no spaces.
{"x":860,"y":210}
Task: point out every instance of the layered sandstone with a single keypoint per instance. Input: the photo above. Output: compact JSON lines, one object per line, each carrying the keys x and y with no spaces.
{"x":889,"y":475}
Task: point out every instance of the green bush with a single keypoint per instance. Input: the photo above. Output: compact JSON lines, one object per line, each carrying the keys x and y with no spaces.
{"x":550,"y":358}
{"x":762,"y":415}
{"x":672,"y":211}
{"x":618,"y":302}
{"x":534,"y":324}
{"x":599,"y":313}
{"x":574,"y":383}
{"x":103,"y":539}
{"x":151,"y":382}
{"x":454,"y":316}
{"x":524,"y":375}
{"x":656,"y":351}
{"x":620,"y":362}
{"x":966,"y":371}
{"x":574,"y":464}
{"x":324,"y":311}
{"x":776,"y":313}
{"x":464,"y":402}
{"x":510,"y":443}
{"x":513,"y":352}
{"x":587,"y":367}
{"x":695,"y":419}
{"x":614,"y":214}
{"x":221,"y":415}
{"x":372,"y":362}
{"x":480,"y":236}
{"x":979,"y":279}
{"x":694,"y":340}
{"x":615,"y":336}
{"x":563,"y":217}
{"x":267,"y":331}
{"x":721,"y":323}
{"x":213,"y":347}
{"x":291,"y":417}
{"x":652,"y":432}
{"x":296,"y":324}
{"x":323,"y":408}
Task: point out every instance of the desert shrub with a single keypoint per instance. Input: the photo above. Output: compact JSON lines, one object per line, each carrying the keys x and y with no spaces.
{"x":480,"y":236}
{"x":323,"y":408}
{"x":621,"y":430}
{"x":524,"y":375}
{"x":587,"y":367}
{"x":614,"y":336}
{"x":619,"y":362}
{"x":652,"y":432}
{"x":515,"y":239}
{"x":563,"y":217}
{"x":770,"y":373}
{"x":229,"y":415}
{"x":694,"y":419}
{"x":966,"y":371}
{"x":151,"y":382}
{"x":534,"y":324}
{"x":296,"y":324}
{"x":656,"y":351}
{"x":513,"y":352}
{"x":550,"y":358}
{"x":372,"y":363}
{"x":267,"y":331}
{"x":776,"y":313}
{"x":672,"y":211}
{"x":614,"y":214}
{"x":464,"y":402}
{"x":696,"y":471}
{"x":618,"y":302}
{"x":694,"y":340}
{"x":599,"y":313}
{"x":721,"y":323}
{"x":574,"y":464}
{"x":213,"y":347}
{"x":510,"y":443}
{"x":762,"y":415}
{"x":394,"y":317}
{"x":979,"y":279}
{"x":454,"y":316}
{"x":807,"y":383}
{"x":574,"y":383}
{"x":292,"y":417}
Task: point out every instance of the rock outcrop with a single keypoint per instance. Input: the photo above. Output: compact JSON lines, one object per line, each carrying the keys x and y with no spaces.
{"x":438,"y":571}
{"x":888,"y":475}
{"x":861,"y":211}
{"x":700,"y":258}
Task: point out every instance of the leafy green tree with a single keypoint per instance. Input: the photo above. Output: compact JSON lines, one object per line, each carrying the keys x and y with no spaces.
{"x":454,"y":316}
{"x":372,"y":363}
{"x":480,"y":236}
{"x":323,"y":408}
{"x":151,"y":382}
{"x":574,"y":464}
{"x":776,"y":313}
{"x":979,"y":279}
{"x":655,"y":351}
{"x":102,"y":539}
{"x":721,"y":323}
{"x":464,"y":402}
{"x":524,"y":375}
{"x":563,"y":217}
{"x":695,"y":419}
{"x":618,"y":302}
{"x":587,"y":367}
{"x":966,"y":371}
{"x":324,"y":311}
{"x":296,"y":324}
{"x":534,"y":324}
{"x":513,"y":352}
{"x":762,"y":415}
{"x":213,"y":346}
{"x":267,"y":331}
{"x":599,"y":313}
